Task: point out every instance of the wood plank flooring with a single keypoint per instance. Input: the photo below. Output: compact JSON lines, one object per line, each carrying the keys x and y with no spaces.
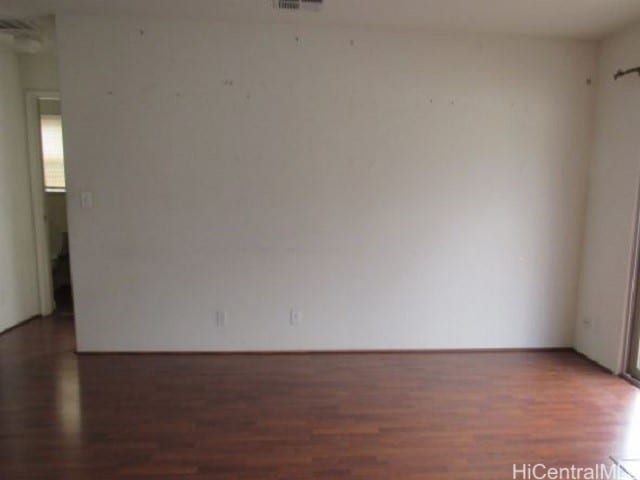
{"x":329,"y":416}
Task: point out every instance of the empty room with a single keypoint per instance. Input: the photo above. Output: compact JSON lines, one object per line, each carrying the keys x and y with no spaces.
{"x":319,"y":239}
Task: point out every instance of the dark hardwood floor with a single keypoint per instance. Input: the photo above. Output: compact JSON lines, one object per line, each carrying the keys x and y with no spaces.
{"x":329,"y":416}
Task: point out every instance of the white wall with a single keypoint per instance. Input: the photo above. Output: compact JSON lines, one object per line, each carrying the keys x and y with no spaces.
{"x":402,"y":189}
{"x":613,"y":193}
{"x":39,"y":71}
{"x":18,"y":287}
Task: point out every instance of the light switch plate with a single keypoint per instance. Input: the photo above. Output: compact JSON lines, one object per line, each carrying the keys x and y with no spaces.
{"x":295,"y":317}
{"x":86,"y":200}
{"x":221,"y":318}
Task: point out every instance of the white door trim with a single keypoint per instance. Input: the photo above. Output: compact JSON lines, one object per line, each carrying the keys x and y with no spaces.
{"x":38,"y":204}
{"x":632,"y":313}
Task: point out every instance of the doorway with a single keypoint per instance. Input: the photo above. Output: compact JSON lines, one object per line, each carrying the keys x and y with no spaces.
{"x":49,"y":201}
{"x":52,"y":152}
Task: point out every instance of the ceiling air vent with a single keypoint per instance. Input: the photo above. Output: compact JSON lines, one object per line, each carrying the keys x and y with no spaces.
{"x":297,"y":4}
{"x":24,"y":36}
{"x":15,"y":25}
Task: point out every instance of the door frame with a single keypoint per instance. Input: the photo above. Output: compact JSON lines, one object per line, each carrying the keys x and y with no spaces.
{"x":38,"y":198}
{"x":633,"y":350}
{"x":632,"y":332}
{"x":631,"y":344}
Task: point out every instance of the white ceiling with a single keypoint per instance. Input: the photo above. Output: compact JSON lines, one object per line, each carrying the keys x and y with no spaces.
{"x":568,"y":18}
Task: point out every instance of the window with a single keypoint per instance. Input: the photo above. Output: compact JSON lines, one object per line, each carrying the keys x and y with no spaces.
{"x":52,"y":153}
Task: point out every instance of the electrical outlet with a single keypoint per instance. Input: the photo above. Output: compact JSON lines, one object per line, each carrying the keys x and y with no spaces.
{"x":221,"y":319}
{"x":295,"y":317}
